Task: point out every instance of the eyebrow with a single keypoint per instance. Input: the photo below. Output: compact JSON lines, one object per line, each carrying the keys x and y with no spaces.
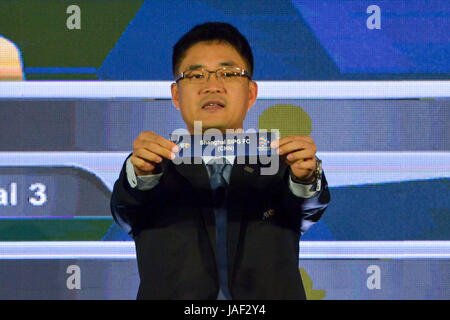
{"x":222,"y":64}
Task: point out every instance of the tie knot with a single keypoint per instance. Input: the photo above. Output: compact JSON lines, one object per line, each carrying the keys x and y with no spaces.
{"x":217,"y":165}
{"x":216,"y":169}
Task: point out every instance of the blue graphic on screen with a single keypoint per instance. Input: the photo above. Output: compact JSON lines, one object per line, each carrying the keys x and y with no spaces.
{"x":295,"y":40}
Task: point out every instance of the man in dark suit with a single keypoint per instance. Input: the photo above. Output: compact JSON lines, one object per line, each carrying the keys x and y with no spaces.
{"x":193,"y":241}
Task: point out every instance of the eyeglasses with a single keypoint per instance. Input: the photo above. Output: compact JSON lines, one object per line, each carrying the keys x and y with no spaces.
{"x":225,"y":74}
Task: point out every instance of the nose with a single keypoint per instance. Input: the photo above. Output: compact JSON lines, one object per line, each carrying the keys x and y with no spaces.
{"x":213,"y":85}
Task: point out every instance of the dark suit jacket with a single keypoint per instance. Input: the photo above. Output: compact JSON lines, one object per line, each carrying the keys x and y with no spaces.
{"x":174,"y":232}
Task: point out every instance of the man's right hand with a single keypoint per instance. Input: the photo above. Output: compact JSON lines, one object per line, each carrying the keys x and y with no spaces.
{"x":148,"y":150}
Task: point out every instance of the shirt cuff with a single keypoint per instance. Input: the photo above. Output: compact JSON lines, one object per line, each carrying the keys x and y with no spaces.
{"x":302,"y":190}
{"x":142,"y":183}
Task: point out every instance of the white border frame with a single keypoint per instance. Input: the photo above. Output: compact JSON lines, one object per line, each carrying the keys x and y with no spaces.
{"x":308,"y":250}
{"x":267,"y":89}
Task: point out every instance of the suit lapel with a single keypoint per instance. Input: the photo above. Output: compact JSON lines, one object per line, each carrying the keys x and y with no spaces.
{"x":242,"y":177}
{"x":195,"y":173}
{"x":246,"y":175}
{"x":197,"y":176}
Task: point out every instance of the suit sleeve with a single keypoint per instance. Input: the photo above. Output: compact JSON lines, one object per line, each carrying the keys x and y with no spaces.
{"x":143,"y":183}
{"x":301,"y":212}
{"x":131,"y":208}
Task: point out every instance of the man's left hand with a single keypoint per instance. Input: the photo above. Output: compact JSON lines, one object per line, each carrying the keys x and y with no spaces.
{"x":299,"y":152}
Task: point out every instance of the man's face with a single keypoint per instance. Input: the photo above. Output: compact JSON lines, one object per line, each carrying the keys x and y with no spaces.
{"x":237,"y":97}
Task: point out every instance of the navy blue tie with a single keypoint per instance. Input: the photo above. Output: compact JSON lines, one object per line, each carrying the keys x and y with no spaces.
{"x":219,"y":186}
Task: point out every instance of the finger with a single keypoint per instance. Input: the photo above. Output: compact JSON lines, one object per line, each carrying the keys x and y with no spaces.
{"x":167,"y":144}
{"x":141,"y":165}
{"x":300,"y":155}
{"x":309,"y":164}
{"x":279,"y":142}
{"x":147,"y":155}
{"x":155,"y":148}
{"x":149,"y":136}
{"x":294,"y":145}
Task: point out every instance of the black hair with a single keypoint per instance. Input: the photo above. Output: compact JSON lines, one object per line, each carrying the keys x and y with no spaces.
{"x":212,"y":31}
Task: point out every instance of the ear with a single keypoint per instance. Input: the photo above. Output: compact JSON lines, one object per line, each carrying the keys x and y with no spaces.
{"x":252,"y":93}
{"x":175,"y":95}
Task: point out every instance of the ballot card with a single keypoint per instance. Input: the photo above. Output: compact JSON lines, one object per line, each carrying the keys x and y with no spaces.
{"x":253,"y":143}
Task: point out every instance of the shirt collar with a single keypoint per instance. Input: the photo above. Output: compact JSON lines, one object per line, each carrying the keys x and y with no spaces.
{"x":230,"y":159}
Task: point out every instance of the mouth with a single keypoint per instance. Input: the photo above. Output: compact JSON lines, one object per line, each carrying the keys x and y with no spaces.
{"x":213,"y":105}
